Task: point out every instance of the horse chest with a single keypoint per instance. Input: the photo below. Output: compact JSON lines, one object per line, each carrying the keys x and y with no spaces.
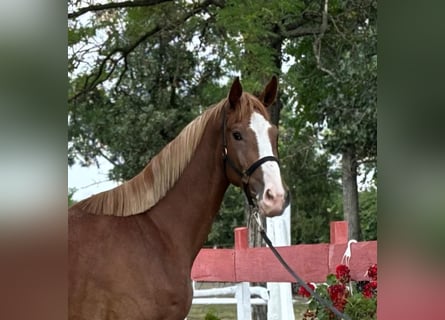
{"x":117,"y":274}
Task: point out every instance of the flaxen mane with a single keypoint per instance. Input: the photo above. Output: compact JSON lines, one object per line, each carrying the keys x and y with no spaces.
{"x":144,"y":190}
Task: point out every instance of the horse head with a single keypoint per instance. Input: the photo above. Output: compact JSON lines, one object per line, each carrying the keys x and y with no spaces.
{"x":250,"y":148}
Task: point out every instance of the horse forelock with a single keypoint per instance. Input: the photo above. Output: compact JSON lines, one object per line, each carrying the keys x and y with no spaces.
{"x":249,"y":104}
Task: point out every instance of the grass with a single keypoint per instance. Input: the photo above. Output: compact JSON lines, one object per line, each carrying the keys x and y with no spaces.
{"x":221,"y":311}
{"x":228,"y":312}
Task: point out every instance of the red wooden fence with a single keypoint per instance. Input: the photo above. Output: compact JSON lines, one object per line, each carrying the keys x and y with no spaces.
{"x":312,"y":262}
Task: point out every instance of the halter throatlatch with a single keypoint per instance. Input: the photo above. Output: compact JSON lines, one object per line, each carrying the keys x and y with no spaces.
{"x":243,"y":174}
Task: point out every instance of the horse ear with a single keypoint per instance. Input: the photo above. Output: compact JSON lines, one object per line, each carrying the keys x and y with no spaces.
{"x":235,"y":92}
{"x":269,"y":94}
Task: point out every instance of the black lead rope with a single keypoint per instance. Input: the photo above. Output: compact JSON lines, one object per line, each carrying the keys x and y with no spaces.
{"x":300,"y":281}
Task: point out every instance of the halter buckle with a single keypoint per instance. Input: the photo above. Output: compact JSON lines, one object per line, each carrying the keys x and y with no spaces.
{"x":245,"y":178}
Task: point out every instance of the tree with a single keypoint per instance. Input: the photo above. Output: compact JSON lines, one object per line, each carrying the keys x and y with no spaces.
{"x":313,"y":184}
{"x":71,"y":192}
{"x":140,"y":70}
{"x":150,"y":102}
{"x":231,"y":216}
{"x":258,"y":39}
{"x":368,"y":210}
{"x":336,"y":81}
{"x":143,"y":69}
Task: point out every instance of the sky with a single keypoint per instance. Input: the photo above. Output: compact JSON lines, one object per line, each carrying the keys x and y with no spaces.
{"x":89,"y":180}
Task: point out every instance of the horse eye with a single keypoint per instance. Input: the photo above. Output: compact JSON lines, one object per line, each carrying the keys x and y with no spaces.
{"x":237,"y":135}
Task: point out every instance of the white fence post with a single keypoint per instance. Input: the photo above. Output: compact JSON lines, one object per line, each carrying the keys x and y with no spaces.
{"x":280,"y":306}
{"x":243,"y":307}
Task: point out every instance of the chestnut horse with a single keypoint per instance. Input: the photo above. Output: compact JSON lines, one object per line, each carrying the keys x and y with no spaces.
{"x":131,"y":249}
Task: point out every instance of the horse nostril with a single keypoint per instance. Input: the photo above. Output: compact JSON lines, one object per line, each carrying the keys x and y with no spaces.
{"x":269,"y":194}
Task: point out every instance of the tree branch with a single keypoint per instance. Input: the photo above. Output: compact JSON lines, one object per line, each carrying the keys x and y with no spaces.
{"x":367,"y":160}
{"x":115,"y":5}
{"x":102,"y":154}
{"x":125,"y":51}
{"x":297,"y":27}
{"x":123,"y":72}
{"x":317,"y":41}
{"x":302,"y":31}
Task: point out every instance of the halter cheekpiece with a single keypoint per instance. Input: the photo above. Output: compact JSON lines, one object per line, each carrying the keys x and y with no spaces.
{"x":243,"y":174}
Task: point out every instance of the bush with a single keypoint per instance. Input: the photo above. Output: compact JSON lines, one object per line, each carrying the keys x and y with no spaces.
{"x":356,"y":299}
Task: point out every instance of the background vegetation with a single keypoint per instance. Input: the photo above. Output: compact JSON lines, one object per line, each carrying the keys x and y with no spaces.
{"x":140,"y":70}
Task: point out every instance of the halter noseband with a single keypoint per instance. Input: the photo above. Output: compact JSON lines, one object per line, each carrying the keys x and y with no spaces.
{"x":243,"y":174}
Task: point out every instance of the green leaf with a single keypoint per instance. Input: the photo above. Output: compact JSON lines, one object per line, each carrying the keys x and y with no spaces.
{"x":331,"y":279}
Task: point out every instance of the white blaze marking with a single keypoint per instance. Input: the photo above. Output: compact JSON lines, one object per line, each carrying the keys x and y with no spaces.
{"x":271,"y":170}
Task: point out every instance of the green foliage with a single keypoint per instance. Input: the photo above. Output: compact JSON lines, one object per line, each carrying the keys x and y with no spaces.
{"x":151,"y":104}
{"x":361,"y":308}
{"x":211,"y":315}
{"x":231,"y":216}
{"x":71,"y":192}
{"x":79,"y":34}
{"x":337,"y":83}
{"x":322,"y":291}
{"x":336,"y":80}
{"x":368,"y":214}
{"x":331,"y":279}
{"x":312,"y":183}
{"x":139,"y":75}
{"x":358,"y":304}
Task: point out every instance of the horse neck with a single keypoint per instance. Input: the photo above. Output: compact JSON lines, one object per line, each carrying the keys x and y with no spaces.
{"x":187,"y":211}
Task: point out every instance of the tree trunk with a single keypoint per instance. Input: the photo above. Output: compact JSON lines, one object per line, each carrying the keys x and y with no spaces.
{"x":259,"y":312}
{"x":350,"y":193}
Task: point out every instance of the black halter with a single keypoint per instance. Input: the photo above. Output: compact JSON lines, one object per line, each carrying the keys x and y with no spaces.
{"x":243,"y":174}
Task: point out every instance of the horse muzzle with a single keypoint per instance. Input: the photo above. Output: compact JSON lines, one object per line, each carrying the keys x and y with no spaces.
{"x":273,"y":202}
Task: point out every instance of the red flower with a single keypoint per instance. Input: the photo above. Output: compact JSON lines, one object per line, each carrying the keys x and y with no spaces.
{"x":303,"y":292}
{"x":338,"y":294}
{"x":370,"y":289}
{"x":372,"y":272}
{"x":342,"y":273}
